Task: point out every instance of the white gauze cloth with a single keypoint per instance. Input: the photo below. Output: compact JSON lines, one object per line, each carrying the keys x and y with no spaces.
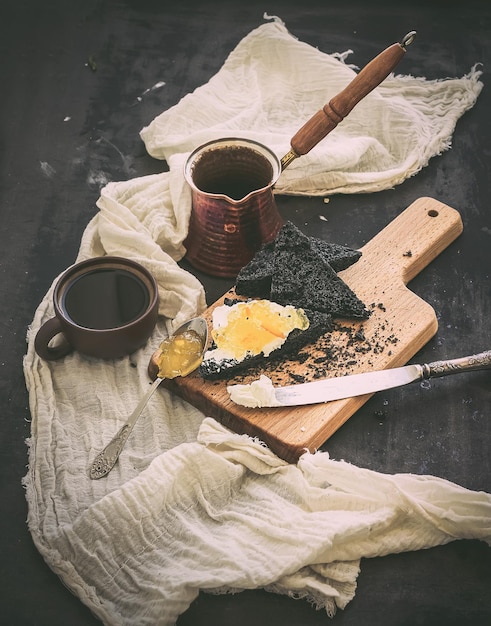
{"x":191,"y":506}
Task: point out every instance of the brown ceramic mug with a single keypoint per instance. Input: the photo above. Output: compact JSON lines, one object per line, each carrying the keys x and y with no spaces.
{"x":105,"y":307}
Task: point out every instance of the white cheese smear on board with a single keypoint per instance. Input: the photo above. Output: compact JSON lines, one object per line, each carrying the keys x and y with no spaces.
{"x":258,"y":394}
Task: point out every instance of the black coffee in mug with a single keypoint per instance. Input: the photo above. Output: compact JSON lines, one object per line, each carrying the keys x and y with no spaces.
{"x":105,"y":298}
{"x":105,"y":307}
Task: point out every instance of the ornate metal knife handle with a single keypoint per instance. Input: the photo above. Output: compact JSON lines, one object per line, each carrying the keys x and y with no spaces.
{"x":479,"y":361}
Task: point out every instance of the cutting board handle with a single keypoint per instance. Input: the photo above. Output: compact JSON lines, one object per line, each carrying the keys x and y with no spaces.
{"x":413,"y":239}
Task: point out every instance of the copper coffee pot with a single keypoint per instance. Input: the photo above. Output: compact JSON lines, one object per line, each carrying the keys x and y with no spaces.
{"x":233,"y":207}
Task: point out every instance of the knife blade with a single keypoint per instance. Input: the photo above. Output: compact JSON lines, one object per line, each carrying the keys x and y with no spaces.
{"x":258,"y":394}
{"x":342,"y":387}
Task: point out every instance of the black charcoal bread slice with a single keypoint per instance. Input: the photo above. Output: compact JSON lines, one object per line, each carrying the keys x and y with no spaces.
{"x":254,"y":279}
{"x":256,"y":275}
{"x":319,"y":324}
{"x":311,"y":282}
{"x":339,"y":257}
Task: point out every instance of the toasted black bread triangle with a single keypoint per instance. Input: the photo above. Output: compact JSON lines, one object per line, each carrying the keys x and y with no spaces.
{"x":303,"y":278}
{"x":254,"y":280}
{"x":314,"y":285}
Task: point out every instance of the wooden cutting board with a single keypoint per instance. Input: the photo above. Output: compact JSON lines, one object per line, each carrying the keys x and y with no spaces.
{"x":400,"y":324}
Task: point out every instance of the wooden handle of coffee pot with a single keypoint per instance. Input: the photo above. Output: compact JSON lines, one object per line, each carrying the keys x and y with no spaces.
{"x":325,"y":120}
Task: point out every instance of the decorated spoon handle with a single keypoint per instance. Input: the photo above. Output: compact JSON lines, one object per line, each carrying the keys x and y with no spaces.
{"x":106,"y":459}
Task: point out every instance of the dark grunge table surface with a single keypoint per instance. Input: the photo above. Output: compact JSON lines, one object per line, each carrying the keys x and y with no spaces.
{"x":66,"y":130}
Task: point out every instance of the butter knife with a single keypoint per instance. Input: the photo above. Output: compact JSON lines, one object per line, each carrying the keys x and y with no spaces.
{"x":341,"y":387}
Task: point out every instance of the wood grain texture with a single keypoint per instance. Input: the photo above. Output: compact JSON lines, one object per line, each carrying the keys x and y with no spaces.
{"x":400,"y":324}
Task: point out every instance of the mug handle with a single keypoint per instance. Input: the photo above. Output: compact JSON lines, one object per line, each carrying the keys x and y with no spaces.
{"x":45,"y":334}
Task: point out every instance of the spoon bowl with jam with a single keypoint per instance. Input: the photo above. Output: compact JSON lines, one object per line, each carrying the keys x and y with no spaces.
{"x":178,"y":355}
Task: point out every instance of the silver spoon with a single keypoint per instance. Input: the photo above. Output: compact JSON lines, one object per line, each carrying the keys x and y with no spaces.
{"x":183,"y":365}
